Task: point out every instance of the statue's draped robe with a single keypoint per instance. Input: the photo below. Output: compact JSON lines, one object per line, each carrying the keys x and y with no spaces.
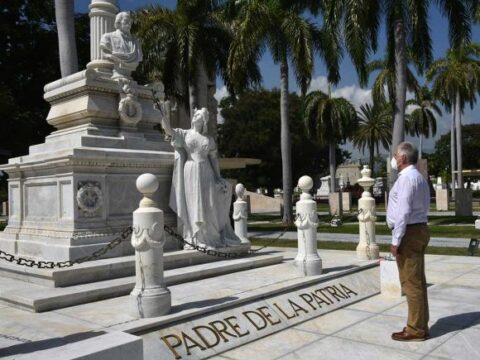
{"x":123,"y":47}
{"x":196,"y":195}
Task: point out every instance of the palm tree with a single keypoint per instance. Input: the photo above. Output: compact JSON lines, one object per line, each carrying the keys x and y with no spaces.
{"x":422,"y":121}
{"x":374,"y":128}
{"x":456,"y":81}
{"x":261,"y":25}
{"x":186,"y":48}
{"x":383,"y":88}
{"x":407,"y":28}
{"x":67,"y":47}
{"x":330,"y":121}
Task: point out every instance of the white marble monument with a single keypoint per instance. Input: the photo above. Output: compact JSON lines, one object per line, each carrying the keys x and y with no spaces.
{"x":307,"y":259}
{"x":367,"y":248}
{"x":73,"y":194}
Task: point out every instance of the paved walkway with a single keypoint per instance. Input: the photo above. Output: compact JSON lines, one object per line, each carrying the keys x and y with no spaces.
{"x":380,"y":239}
{"x":362,"y":330}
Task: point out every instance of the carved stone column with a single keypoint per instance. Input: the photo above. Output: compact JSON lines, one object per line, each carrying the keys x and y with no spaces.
{"x":150,"y":297}
{"x":367,"y":248}
{"x":102,"y":20}
{"x":306,"y":221}
{"x":240,"y":214}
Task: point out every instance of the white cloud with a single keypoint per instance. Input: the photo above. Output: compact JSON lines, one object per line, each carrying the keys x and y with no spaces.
{"x":221,"y":93}
{"x":353,"y":93}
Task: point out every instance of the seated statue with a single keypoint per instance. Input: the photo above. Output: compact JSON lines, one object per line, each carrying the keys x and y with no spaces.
{"x":121,"y":47}
{"x":200,"y":196}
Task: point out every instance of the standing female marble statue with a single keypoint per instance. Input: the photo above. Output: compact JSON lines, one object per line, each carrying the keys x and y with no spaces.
{"x":199,"y":195}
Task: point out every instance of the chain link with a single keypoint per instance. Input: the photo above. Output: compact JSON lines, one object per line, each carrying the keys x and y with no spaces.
{"x":62,"y":264}
{"x":216,"y":253}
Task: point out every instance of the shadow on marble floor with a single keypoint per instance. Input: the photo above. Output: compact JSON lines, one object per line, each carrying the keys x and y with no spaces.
{"x":201,"y":304}
{"x":33,"y":346}
{"x":454,"y":323}
{"x":338,"y":268}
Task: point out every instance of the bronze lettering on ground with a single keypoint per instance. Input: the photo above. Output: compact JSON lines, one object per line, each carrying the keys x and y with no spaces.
{"x":260,"y":319}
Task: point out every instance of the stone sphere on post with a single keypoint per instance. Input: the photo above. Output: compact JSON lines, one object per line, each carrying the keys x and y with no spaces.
{"x":147,"y":184}
{"x":305,"y":183}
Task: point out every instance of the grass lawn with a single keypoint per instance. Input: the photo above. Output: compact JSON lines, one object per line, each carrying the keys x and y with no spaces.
{"x":340,"y":245}
{"x":443,"y":230}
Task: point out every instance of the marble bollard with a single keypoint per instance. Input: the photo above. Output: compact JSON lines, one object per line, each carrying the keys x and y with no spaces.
{"x":150,"y":297}
{"x":389,"y":279}
{"x":307,"y":259}
{"x":4,"y":208}
{"x":367,"y":248}
{"x":240,"y":214}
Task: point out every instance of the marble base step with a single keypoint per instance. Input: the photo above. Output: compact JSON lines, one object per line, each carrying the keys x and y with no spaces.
{"x":93,"y":345}
{"x":103,"y":269}
{"x":39,"y":298}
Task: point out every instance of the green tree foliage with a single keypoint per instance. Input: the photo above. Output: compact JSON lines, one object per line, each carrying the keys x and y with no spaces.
{"x":28,"y":61}
{"x":329,"y":121}
{"x":374,"y":128}
{"x":439,"y":160}
{"x":252,"y":130}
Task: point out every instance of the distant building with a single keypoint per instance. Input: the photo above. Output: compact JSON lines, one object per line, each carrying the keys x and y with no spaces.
{"x":350,"y":172}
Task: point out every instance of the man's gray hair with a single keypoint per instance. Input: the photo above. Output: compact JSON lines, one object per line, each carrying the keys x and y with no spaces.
{"x":409,"y":150}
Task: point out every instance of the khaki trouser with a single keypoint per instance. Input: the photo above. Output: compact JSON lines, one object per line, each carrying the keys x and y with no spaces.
{"x":411,"y":267}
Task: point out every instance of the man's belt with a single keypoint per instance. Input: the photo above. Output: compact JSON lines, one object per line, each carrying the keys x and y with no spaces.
{"x":417,"y":224}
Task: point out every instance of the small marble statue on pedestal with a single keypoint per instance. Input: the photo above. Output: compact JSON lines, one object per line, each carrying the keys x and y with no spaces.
{"x":367,"y":248}
{"x":240,"y":214}
{"x":199,"y":196}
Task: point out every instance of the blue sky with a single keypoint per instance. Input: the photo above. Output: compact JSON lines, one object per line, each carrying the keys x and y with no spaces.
{"x":348,"y":86}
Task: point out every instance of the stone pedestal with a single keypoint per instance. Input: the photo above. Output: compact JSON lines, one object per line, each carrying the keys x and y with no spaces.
{"x":240,"y":214}
{"x":150,"y":297}
{"x":334,"y":203}
{"x":441,"y":199}
{"x":346,"y":201}
{"x":463,"y":202}
{"x":367,"y":248}
{"x":73,"y":194}
{"x":307,"y":259}
{"x":389,"y":279}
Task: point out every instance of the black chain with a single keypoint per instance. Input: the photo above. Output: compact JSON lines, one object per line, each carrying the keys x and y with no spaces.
{"x":62,"y":264}
{"x":216,"y":253}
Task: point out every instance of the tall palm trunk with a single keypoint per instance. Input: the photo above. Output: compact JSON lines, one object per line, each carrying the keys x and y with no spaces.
{"x":420,"y":146}
{"x":333,"y":165}
{"x":67,"y":47}
{"x":452,"y":153}
{"x":400,"y":90}
{"x":285,"y":145}
{"x":371,"y":149}
{"x":198,"y":88}
{"x":458,"y":128}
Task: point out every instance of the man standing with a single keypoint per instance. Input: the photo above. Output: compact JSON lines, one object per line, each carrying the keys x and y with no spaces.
{"x":407,"y":211}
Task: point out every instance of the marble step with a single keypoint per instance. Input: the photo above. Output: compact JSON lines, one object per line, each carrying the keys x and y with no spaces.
{"x":39,"y":298}
{"x":103,"y":269}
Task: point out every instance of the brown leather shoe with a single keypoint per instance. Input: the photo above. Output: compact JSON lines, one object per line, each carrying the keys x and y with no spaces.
{"x":405,"y":336}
